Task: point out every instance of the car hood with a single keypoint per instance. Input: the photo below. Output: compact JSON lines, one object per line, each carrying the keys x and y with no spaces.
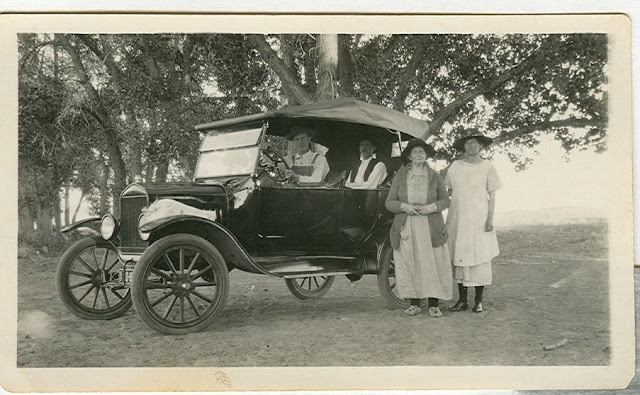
{"x":182,"y":189}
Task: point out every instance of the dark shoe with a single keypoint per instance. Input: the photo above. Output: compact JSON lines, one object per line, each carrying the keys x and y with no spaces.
{"x":477,"y":308}
{"x":459,"y":306}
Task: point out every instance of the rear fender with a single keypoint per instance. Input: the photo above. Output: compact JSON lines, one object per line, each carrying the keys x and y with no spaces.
{"x":92,"y":223}
{"x":379,"y":232}
{"x":386,"y":243}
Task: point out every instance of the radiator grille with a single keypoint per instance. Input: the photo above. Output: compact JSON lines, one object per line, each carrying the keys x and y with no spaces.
{"x":130,"y":209}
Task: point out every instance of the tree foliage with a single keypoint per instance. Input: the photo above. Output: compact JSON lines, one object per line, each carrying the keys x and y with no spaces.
{"x":98,"y":111}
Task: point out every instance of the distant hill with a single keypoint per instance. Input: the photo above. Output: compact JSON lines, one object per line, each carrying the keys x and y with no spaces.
{"x":550,"y":216}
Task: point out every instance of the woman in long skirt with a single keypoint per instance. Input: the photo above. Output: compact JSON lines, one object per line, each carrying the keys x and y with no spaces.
{"x":473,"y":182}
{"x":418,"y":234}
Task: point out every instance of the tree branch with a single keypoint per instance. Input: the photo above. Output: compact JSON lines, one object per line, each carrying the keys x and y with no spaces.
{"x":83,"y":77}
{"x":289,"y":81}
{"x":150,"y":61}
{"x":443,"y":115}
{"x":115,"y":154}
{"x":568,"y":122}
{"x":34,"y":50}
{"x":105,"y":57}
{"x":409,"y":73}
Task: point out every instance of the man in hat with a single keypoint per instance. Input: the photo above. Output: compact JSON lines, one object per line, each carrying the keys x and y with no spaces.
{"x":305,"y":165}
{"x":370,"y":172}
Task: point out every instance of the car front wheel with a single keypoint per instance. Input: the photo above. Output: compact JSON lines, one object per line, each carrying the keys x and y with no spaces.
{"x":89,"y":280}
{"x":180,"y":284}
{"x":310,"y":287}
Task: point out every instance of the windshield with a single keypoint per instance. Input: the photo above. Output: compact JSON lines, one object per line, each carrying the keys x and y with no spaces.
{"x":220,"y":140}
{"x":224,"y":153}
{"x":226,"y":163}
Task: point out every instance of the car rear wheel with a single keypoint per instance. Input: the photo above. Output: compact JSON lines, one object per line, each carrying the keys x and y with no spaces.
{"x":310,"y":287}
{"x":180,"y":284}
{"x":89,"y":280}
{"x":387,"y":281}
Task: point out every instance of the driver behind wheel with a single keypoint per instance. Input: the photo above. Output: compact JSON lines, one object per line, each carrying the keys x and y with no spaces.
{"x":305,"y":166}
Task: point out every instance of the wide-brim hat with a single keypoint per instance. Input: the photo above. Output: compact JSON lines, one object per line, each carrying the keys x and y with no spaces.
{"x":472,"y":134}
{"x":296,"y":130}
{"x":417,"y":143}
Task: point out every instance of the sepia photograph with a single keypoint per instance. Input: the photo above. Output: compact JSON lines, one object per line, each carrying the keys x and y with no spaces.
{"x":319,"y":202}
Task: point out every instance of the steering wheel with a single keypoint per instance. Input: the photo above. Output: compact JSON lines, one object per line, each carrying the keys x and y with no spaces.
{"x":273,"y":170}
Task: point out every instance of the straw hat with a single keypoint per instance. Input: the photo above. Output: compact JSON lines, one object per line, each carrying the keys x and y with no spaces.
{"x":417,"y":143}
{"x":469,"y":134}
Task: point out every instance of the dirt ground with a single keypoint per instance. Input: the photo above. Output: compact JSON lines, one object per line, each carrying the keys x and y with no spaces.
{"x":550,"y":284}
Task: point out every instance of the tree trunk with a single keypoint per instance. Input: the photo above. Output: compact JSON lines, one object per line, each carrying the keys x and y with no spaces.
{"x":148,"y":174}
{"x":55,"y":63}
{"x":26,"y":220}
{"x":135,"y":149}
{"x":289,"y":81}
{"x":67,"y":187}
{"x":75,"y":212}
{"x":345,"y":65}
{"x":286,"y":46}
{"x":100,"y":114}
{"x":57,"y":211}
{"x":162,"y":170}
{"x":309,"y":64}
{"x":104,"y":188}
{"x":327,"y":67}
{"x":43,"y":217}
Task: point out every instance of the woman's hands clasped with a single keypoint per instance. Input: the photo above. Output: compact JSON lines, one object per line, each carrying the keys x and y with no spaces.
{"x":418,"y":210}
{"x":409,"y":209}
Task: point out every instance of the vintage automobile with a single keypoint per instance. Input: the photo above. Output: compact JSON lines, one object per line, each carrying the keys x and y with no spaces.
{"x":170,"y":251}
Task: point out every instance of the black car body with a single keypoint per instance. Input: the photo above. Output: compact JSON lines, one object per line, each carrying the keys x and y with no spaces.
{"x":174,"y":241}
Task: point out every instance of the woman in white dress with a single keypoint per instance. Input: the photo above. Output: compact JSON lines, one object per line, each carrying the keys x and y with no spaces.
{"x":418,"y":233}
{"x":472,"y":182}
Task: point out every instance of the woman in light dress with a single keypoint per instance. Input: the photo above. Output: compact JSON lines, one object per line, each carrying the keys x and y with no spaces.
{"x":473,"y":182}
{"x":418,"y":234}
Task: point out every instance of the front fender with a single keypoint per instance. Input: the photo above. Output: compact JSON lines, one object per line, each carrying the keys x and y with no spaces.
{"x":165,"y":211}
{"x":92,"y":223}
{"x":169,"y":216}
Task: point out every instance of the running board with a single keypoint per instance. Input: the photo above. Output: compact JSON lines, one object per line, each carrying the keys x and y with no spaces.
{"x":316,"y":274}
{"x":306,"y":266}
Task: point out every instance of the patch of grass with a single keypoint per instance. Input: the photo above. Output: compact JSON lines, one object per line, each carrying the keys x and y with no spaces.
{"x":579,"y":240}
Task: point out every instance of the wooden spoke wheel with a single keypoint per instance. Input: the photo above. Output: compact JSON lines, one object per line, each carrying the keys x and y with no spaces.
{"x":180,"y":284}
{"x":89,"y":280}
{"x":310,"y":287}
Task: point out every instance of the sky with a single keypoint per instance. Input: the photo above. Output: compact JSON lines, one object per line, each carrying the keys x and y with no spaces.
{"x":551,"y":181}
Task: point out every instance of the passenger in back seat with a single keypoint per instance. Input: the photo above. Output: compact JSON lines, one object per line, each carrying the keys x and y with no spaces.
{"x":370,"y":172}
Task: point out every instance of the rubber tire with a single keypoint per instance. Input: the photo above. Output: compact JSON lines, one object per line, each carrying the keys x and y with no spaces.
{"x":148,"y":257}
{"x":305,"y":294}
{"x":65,"y":295}
{"x":389,"y":298}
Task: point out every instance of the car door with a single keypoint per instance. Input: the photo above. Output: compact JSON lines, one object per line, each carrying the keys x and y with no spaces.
{"x":359,"y":212}
{"x":279,"y":215}
{"x":319,"y":215}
